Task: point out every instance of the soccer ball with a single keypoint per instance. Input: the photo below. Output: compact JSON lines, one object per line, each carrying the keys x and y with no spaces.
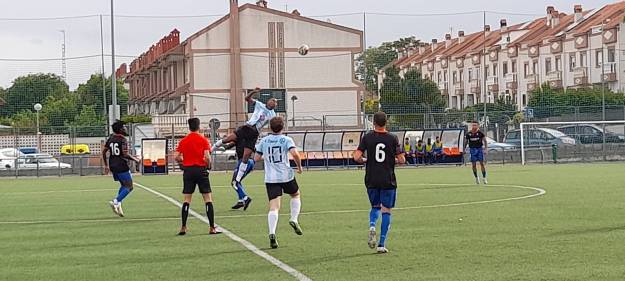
{"x":303,"y":49}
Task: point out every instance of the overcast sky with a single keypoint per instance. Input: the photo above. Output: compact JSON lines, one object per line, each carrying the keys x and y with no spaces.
{"x":26,"y":40}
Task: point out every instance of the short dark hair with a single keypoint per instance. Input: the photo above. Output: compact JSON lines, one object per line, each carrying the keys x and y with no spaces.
{"x":276,"y":124}
{"x":379,"y":119}
{"x":194,"y":124}
{"x":475,"y":122}
{"x":118,"y":127}
{"x":420,"y":141}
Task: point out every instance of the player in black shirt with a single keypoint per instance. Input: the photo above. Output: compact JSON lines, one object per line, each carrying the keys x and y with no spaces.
{"x":115,"y":156}
{"x":478,"y":147}
{"x":383,"y":152}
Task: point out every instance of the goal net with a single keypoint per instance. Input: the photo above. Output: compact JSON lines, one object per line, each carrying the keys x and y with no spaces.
{"x":580,"y":141}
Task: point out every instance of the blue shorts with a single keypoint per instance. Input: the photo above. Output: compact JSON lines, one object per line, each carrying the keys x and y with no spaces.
{"x":477,"y":154}
{"x":123,"y":176}
{"x":384,"y":197}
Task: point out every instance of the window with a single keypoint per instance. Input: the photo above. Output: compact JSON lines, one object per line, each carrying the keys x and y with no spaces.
{"x":548,"y":65}
{"x":486,"y":69}
{"x":504,"y":67}
{"x":526,"y":69}
{"x":535,"y":67}
{"x":439,"y":77}
{"x":513,"y":68}
{"x":558,"y":63}
{"x":454,"y":76}
{"x":582,"y":59}
{"x":470,"y":74}
{"x":611,"y":55}
{"x":460,"y":76}
{"x":571,"y":62}
{"x":445,"y":76}
{"x":598,"y":58}
{"x":494,"y":69}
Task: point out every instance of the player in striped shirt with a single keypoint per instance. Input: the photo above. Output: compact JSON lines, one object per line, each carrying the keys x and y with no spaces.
{"x":274,"y":149}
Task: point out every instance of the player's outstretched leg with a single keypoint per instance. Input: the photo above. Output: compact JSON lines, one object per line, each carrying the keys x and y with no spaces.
{"x":386,"y":226}
{"x":229,"y":139}
{"x":483,"y":172}
{"x":244,"y":200}
{"x":296,"y":206}
{"x":124,"y":190}
{"x":374,"y":214}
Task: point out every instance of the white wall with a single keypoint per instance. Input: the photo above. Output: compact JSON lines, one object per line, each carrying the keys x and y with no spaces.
{"x":216,"y":38}
{"x":328,"y":69}
{"x":211,"y":71}
{"x":208,"y":106}
{"x":317,"y":104}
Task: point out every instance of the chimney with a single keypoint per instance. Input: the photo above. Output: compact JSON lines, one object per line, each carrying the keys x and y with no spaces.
{"x":503,"y":24}
{"x":296,"y":12}
{"x":261,"y":3}
{"x":447,"y":40}
{"x":411,"y":51}
{"x":550,"y":9}
{"x":460,"y":36}
{"x":487,"y":29}
{"x":578,"y":13}
{"x":555,"y":18}
{"x":400,"y":53}
{"x":434,"y":44}
{"x":421,"y":49}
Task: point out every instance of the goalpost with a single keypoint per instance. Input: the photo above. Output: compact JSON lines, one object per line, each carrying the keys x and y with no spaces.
{"x":584,"y":134}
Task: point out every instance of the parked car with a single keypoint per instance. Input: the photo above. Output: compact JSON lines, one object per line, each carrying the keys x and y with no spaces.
{"x":8,"y":156}
{"x":539,"y":137}
{"x":498,"y":146}
{"x":40,"y":161}
{"x":589,"y":133}
{"x":29,"y":150}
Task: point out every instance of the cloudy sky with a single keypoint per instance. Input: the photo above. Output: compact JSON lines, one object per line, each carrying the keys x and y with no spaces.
{"x":26,"y":38}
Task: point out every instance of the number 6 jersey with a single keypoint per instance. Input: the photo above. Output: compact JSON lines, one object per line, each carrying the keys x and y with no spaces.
{"x":275,"y":152}
{"x":117,"y":146}
{"x":381,"y":149}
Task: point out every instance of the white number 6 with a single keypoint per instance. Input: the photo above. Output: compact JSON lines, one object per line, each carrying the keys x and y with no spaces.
{"x":380,"y":155}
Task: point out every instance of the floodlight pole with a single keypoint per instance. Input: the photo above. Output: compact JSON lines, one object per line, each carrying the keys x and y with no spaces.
{"x":114,"y":112}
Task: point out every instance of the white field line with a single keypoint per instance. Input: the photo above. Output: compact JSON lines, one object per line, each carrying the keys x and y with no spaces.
{"x":285,"y":267}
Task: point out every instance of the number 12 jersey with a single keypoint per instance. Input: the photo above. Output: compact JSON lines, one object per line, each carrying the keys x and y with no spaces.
{"x":381,"y":149}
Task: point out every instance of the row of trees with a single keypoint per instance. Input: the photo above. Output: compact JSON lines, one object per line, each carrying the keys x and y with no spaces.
{"x":82,"y":107}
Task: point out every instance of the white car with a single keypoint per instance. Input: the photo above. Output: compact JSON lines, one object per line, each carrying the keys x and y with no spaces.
{"x":8,"y":156}
{"x":40,"y":161}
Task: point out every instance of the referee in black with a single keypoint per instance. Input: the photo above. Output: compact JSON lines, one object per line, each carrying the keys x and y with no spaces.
{"x":193,"y":152}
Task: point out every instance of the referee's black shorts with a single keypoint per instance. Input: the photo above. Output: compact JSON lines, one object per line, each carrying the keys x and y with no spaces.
{"x":195,"y":176}
{"x":247,"y":135}
{"x":274,"y":190}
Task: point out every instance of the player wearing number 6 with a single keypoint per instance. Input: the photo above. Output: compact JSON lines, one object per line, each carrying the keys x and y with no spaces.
{"x":383,"y":152}
{"x":115,"y":156}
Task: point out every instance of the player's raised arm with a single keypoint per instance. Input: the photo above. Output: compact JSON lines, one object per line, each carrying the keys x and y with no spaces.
{"x":250,"y":97}
{"x":298,"y":160}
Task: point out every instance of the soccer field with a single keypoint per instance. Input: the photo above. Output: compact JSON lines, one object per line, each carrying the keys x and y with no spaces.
{"x":445,"y":228}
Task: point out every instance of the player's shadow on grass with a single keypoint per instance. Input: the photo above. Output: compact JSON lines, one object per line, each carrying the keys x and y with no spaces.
{"x":333,"y":258}
{"x":583,"y":231}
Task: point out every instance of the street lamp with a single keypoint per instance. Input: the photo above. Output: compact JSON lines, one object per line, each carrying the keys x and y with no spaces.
{"x":293,"y":99}
{"x":38,"y":108}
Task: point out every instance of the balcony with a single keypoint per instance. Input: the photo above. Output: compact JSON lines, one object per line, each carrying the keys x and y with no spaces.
{"x":580,"y":76}
{"x":443,"y":87}
{"x":609,"y":72}
{"x":475,"y":86}
{"x":554,"y":78}
{"x":459,"y":87}
{"x":493,"y":83}
{"x":532,"y":82}
{"x":511,"y":81}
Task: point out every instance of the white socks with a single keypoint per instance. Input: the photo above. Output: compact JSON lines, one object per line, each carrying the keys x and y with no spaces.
{"x":219,"y":143}
{"x":296,"y":206}
{"x":272,"y":220}
{"x":241,"y":171}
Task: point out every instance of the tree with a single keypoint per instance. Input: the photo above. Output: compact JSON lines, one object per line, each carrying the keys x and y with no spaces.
{"x":31,"y":89}
{"x":89,"y":123}
{"x":548,"y":102}
{"x":410,"y":99}
{"x":60,"y":111}
{"x":375,"y":58}
{"x":90,"y":93}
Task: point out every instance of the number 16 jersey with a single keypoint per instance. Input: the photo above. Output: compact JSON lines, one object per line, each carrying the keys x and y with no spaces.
{"x":275,"y":152}
{"x":118,"y":149}
{"x":381,"y":149}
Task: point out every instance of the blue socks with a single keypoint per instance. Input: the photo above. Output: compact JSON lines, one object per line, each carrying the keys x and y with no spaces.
{"x":239,"y":187}
{"x":373,"y":216}
{"x":386,"y":225}
{"x":123,"y":192}
{"x":240,"y":191}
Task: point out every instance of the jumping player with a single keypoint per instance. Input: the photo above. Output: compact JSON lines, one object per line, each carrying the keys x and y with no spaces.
{"x":383,"y":152}
{"x":244,"y":200}
{"x":115,"y":156}
{"x":274,"y":149}
{"x":478,"y":147}
{"x":246,"y":136}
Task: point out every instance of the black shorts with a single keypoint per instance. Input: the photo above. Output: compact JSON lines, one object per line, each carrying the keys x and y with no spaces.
{"x":275,"y":189}
{"x":193,"y":176}
{"x":247,"y":136}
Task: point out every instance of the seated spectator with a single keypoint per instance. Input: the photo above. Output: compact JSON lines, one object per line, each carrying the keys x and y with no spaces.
{"x":429,"y":152}
{"x":409,"y":152}
{"x":420,"y":152}
{"x":438,"y":150}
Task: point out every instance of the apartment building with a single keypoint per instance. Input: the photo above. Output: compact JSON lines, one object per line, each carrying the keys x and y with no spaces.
{"x":564,"y":50}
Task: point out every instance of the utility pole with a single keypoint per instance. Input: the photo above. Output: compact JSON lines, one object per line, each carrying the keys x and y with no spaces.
{"x":114,"y":111}
{"x":63,"y":65}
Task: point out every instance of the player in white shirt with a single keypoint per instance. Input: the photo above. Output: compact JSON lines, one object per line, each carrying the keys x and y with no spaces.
{"x":274,"y":149}
{"x":246,"y":137}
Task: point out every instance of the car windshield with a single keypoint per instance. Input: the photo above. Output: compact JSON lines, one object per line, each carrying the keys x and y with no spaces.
{"x":554,"y":133}
{"x":46,"y":160}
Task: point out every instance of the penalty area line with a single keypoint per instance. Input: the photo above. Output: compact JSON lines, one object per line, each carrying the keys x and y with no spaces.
{"x":285,"y":267}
